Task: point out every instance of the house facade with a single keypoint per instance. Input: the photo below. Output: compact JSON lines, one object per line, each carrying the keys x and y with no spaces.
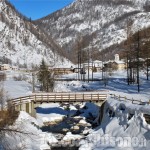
{"x":120,"y":64}
{"x":115,"y":64}
{"x":5,"y":67}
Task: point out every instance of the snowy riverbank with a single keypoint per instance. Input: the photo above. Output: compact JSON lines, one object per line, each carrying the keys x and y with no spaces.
{"x":121,"y":119}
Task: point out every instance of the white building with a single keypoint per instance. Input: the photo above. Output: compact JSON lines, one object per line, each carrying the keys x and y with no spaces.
{"x":5,"y":67}
{"x":98,"y":64}
{"x":117,"y":57}
{"x":14,"y":67}
{"x":120,"y":64}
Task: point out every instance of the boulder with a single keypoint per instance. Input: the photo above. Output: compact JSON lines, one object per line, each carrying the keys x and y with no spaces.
{"x":65,"y":130}
{"x":75,"y":128}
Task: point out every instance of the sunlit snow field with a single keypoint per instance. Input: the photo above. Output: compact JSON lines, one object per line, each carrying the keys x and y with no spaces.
{"x":116,"y":126}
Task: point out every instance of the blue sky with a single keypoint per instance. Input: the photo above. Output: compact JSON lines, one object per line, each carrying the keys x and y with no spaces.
{"x":39,"y":8}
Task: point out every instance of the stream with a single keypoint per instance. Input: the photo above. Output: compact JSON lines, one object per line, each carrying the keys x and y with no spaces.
{"x":75,"y":125}
{"x":58,"y":131}
{"x":67,"y":123}
{"x":64,"y":148}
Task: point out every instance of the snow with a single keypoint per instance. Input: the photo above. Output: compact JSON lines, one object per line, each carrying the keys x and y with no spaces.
{"x":21,"y":46}
{"x":33,"y":138}
{"x":14,"y":89}
{"x":122,"y":119}
{"x":118,"y":127}
{"x":69,"y":136}
{"x":82,"y":122}
{"x":107,"y":21}
{"x":50,"y":113}
{"x":21,"y":88}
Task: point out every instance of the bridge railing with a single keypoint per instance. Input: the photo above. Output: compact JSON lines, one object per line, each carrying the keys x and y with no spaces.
{"x":124,"y":98}
{"x":68,"y":97}
{"x":21,"y":100}
{"x":60,"y":97}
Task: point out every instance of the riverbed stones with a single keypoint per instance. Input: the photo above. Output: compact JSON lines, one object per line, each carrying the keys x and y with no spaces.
{"x":69,"y":137}
{"x":65,"y":130}
{"x":75,"y":128}
{"x":84,"y":123}
{"x":86,"y":131}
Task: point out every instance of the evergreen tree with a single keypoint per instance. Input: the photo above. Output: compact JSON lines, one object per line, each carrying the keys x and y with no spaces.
{"x":45,"y":77}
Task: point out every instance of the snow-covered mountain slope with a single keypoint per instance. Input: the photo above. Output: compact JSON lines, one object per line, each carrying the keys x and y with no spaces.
{"x":101,"y":23}
{"x":22,"y":42}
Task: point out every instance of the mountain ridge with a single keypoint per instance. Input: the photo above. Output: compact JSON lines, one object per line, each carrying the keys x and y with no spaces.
{"x":24,"y":43}
{"x":105,"y":19}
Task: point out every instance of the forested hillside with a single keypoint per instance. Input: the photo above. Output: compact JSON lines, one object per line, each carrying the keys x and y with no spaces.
{"x":23,"y":43}
{"x":95,"y":25}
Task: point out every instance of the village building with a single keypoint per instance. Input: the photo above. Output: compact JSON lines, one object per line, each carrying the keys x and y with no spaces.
{"x":58,"y":71}
{"x":98,"y":65}
{"x":120,"y":64}
{"x":5,"y":67}
{"x":14,"y":67}
{"x":87,"y":65}
{"x":95,"y":64}
{"x":115,"y":64}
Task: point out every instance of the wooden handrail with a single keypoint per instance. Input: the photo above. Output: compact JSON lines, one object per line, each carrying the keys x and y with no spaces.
{"x":60,"y":97}
{"x":121,"y":98}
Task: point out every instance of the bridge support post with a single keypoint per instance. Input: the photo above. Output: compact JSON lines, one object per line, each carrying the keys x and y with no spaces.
{"x":20,"y":109}
{"x":27,"y":109}
{"x":101,"y":112}
{"x":23,"y":107}
{"x":17,"y":107}
{"x":32,"y":109}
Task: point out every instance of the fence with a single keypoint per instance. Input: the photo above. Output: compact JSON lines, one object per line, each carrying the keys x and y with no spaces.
{"x":121,"y":98}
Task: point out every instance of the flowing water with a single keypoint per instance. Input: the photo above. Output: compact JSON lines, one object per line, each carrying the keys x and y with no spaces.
{"x":67,"y":123}
{"x":64,"y":148}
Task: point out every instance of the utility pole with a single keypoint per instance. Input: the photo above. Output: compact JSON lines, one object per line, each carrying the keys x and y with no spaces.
{"x":147,"y":69}
{"x":88,"y":64}
{"x":102,"y":68}
{"x":83,"y":73}
{"x":33,"y":82}
{"x":128,"y":47}
{"x":92,"y":62}
{"x":80,"y":59}
{"x":78,"y":70}
{"x":128,"y":68}
{"x":138,"y":63}
{"x":92,"y":70}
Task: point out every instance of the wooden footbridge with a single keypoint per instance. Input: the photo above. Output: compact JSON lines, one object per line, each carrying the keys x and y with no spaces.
{"x":29,"y":103}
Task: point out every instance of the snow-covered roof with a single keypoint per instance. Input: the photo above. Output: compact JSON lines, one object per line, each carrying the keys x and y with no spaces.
{"x":5,"y":65}
{"x":97,"y":61}
{"x":120,"y":62}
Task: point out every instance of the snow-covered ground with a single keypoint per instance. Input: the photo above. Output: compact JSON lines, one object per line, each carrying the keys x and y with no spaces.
{"x":116,"y":84}
{"x":14,"y":88}
{"x":123,"y":128}
{"x":122,"y":120}
{"x":32,"y":137}
{"x":50,"y":113}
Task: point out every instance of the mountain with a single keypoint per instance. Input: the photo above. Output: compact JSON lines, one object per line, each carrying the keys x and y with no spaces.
{"x":95,"y":25}
{"x":23,"y":43}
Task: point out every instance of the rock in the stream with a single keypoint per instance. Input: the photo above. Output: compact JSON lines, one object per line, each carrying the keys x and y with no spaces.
{"x":65,"y":130}
{"x":84,"y":123}
{"x":86,"y":131}
{"x":75,"y":128}
{"x":69,"y":137}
